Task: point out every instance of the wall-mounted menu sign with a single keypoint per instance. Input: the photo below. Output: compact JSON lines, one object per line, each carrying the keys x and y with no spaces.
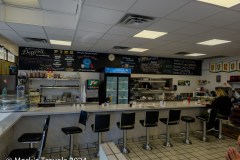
{"x":60,"y":60}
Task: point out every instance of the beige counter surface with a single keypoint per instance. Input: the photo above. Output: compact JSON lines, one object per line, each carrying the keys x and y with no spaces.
{"x":9,"y":119}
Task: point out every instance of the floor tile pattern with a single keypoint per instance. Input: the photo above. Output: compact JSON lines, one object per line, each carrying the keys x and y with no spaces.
{"x":213,"y":150}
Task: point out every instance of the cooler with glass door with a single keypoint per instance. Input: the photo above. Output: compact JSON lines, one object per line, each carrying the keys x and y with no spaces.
{"x":114,"y":85}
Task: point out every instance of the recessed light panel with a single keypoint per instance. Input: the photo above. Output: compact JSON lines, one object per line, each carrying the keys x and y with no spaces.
{"x":137,"y":49}
{"x":149,"y":34}
{"x":213,"y":42}
{"x":63,"y":43}
{"x":223,"y":3}
{"x":195,"y":54}
{"x":25,"y":3}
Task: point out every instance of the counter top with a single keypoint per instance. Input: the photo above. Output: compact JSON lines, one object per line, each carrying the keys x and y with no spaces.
{"x":9,"y":119}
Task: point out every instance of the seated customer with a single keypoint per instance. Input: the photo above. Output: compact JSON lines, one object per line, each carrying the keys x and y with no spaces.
{"x":220,"y":105}
{"x":232,"y":153}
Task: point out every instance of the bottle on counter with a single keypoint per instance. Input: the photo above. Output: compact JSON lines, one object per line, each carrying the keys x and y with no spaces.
{"x":4,"y":90}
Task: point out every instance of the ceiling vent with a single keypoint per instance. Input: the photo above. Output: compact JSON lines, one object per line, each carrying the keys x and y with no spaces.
{"x":34,"y":40}
{"x":136,"y":21}
{"x":120,"y":47}
{"x":181,"y":53}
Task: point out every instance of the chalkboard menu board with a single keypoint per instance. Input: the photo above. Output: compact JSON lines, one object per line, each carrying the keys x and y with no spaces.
{"x":65,"y":60}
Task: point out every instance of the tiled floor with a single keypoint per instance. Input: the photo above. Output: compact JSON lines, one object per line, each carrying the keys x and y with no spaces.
{"x":214,"y":149}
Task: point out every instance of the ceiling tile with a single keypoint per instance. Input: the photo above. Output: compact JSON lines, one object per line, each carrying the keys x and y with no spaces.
{"x":87,"y":37}
{"x":234,"y":26}
{"x":11,"y":35}
{"x":58,"y":20}
{"x":123,"y":31}
{"x":166,"y":25}
{"x":219,"y":33}
{"x":26,"y":28}
{"x":129,"y":44}
{"x":138,"y":40}
{"x":122,"y":5}
{"x":101,"y":15}
{"x":222,"y":18}
{"x":194,"y":11}
{"x":236,"y":8}
{"x":156,"y":8}
{"x":59,"y":31}
{"x":67,"y":6}
{"x":61,"y":47}
{"x":173,"y":37}
{"x":79,"y":46}
{"x":94,"y":27}
{"x":4,"y":26}
{"x":59,"y":37}
{"x":194,"y":29}
{"x":154,"y":44}
{"x":113,"y":37}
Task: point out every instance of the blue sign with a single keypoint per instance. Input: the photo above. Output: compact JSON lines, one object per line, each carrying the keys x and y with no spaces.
{"x":118,"y":70}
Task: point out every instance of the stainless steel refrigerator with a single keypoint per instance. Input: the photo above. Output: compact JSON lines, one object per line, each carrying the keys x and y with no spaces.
{"x":114,"y":85}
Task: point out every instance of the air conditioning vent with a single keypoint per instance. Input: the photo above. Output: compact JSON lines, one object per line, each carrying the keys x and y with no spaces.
{"x":120,"y":47}
{"x":181,"y":53}
{"x":39,"y":40}
{"x":136,"y":21}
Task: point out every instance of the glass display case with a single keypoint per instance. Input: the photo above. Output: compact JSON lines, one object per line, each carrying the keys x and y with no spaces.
{"x":11,"y":103}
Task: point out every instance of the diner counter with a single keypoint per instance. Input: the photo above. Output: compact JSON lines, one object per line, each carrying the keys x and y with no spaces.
{"x":14,"y":124}
{"x":9,"y":119}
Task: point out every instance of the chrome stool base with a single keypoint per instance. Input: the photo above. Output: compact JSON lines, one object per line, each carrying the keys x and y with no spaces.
{"x":187,"y":141}
{"x":147,"y":147}
{"x":167,"y":144}
{"x":125,"y":150}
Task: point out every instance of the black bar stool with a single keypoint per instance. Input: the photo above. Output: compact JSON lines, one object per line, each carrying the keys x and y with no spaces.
{"x":127,"y":123}
{"x":32,"y":153}
{"x":31,"y":138}
{"x":102,"y":123}
{"x":151,"y":120}
{"x":188,"y":120}
{"x":173,"y":119}
{"x":221,"y":117}
{"x":204,"y":119}
{"x":74,"y":130}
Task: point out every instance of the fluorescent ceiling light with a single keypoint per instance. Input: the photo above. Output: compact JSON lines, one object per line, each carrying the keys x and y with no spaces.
{"x":137,"y":49}
{"x":213,"y":42}
{"x":223,"y":3}
{"x":195,"y":54}
{"x":149,"y":34}
{"x":25,"y":3}
{"x":64,"y":43}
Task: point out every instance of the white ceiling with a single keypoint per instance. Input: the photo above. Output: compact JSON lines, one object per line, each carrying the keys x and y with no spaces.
{"x":93,"y":26}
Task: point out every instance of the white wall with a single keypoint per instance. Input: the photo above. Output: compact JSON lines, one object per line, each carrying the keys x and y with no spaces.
{"x":211,"y":77}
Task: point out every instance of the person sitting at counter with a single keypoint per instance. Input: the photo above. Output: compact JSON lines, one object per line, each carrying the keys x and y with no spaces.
{"x":220,"y":105}
{"x":232,"y":153}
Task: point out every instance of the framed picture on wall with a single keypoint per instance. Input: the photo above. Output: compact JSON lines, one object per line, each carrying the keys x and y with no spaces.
{"x":238,"y":65}
{"x":232,"y":66}
{"x":219,"y":67}
{"x":225,"y":67}
{"x":212,"y":67}
{"x":218,"y":78}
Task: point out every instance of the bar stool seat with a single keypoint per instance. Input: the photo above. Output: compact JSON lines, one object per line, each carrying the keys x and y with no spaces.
{"x":75,"y":130}
{"x":102,"y":124}
{"x":173,"y":119}
{"x":204,"y":119}
{"x":188,"y":120}
{"x":127,"y":123}
{"x":31,"y":138}
{"x":71,"y":130}
{"x":151,"y":120}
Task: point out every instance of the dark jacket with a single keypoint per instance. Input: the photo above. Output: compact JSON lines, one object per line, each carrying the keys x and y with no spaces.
{"x":221,"y":105}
